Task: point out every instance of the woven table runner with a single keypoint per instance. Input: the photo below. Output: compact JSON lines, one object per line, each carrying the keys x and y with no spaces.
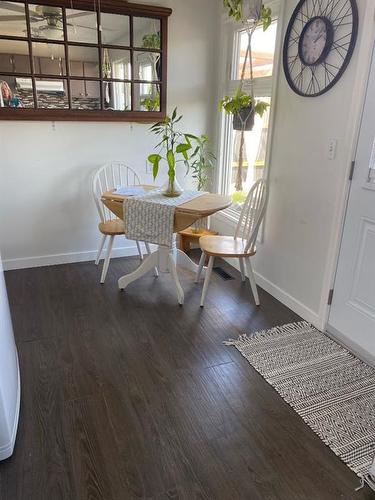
{"x":150,"y":217}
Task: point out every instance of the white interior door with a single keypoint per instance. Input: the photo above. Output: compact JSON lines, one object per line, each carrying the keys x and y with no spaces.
{"x":352,"y":315}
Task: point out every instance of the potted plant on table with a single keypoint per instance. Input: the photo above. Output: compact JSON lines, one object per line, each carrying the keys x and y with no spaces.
{"x":243,"y":106}
{"x":174,"y":148}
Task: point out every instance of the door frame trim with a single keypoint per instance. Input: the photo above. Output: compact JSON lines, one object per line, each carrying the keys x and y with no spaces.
{"x":365,"y":49}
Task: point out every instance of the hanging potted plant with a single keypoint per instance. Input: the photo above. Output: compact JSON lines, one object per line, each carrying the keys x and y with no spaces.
{"x":243,"y":106}
{"x":173,"y":148}
{"x":249,"y":12}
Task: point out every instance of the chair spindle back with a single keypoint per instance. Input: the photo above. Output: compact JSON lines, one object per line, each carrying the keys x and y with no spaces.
{"x":252,"y":214}
{"x":111,"y":176}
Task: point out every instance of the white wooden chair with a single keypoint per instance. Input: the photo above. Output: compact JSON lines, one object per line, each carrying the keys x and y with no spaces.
{"x":112,"y":176}
{"x":242,"y":244}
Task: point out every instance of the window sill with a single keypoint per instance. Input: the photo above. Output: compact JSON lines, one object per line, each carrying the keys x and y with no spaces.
{"x":229,"y":216}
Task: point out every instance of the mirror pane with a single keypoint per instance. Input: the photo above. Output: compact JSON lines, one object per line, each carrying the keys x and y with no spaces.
{"x":146,"y":97}
{"x":116,"y":64}
{"x":14,"y":56}
{"x":147,"y":66}
{"x":85,"y":94}
{"x":146,"y":32}
{"x":12,"y":19}
{"x":52,"y":94}
{"x":115,"y":29}
{"x":84,"y":61}
{"x":117,"y":96}
{"x":16,"y":92}
{"x":49,"y":58}
{"x":46,"y":22}
{"x":82,"y":26}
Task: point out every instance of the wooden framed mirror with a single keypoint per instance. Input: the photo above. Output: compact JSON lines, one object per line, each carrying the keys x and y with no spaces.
{"x":83,"y":60}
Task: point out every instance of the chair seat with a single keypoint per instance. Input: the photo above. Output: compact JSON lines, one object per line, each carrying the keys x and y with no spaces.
{"x":112,"y":227}
{"x":224,"y":246}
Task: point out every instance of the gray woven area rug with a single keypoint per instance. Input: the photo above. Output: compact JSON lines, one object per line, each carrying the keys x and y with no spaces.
{"x":331,"y":389}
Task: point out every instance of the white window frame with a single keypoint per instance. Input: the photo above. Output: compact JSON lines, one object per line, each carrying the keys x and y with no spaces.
{"x":262,"y":87}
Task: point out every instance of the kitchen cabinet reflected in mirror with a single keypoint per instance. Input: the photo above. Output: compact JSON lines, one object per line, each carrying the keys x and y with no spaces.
{"x":49,"y":59}
{"x":83,"y":61}
{"x":14,"y":57}
{"x":85,"y":94}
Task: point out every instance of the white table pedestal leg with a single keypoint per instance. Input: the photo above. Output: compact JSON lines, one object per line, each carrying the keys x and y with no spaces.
{"x":150,"y":262}
{"x":165,"y":260}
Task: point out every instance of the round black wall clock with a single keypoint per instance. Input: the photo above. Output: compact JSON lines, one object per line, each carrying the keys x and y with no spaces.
{"x":319,"y":43}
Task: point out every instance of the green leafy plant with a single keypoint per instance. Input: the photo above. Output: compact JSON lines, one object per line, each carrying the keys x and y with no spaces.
{"x":151,"y":103}
{"x":234,"y":9}
{"x":151,"y":41}
{"x":173,"y":147}
{"x":240,"y":100}
{"x":202,"y":160}
{"x":239,"y":197}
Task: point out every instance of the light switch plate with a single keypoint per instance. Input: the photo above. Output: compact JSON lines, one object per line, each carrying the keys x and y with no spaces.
{"x":332,"y":147}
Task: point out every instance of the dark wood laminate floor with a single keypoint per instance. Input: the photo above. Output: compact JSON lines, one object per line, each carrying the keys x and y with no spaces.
{"x":127,"y":395}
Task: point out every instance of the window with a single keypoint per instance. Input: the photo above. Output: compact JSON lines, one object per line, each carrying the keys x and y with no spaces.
{"x":83,"y":60}
{"x":235,"y":181}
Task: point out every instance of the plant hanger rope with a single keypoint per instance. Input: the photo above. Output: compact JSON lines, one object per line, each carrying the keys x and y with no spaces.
{"x":242,"y":105}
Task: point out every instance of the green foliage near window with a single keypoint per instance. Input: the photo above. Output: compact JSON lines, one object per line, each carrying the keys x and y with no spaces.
{"x":151,"y":41}
{"x":232,"y":105}
{"x":234,"y":8}
{"x":202,"y":160}
{"x":151,"y":103}
{"x":239,"y":197}
{"x":173,"y":147}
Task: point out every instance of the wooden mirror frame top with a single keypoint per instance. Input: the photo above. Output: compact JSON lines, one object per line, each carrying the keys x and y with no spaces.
{"x":106,"y":6}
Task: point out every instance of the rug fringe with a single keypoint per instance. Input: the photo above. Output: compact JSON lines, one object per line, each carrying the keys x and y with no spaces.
{"x":289,"y":327}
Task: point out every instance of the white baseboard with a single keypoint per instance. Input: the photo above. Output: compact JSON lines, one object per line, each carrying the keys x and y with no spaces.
{"x":289,"y":301}
{"x":284,"y":297}
{"x":64,"y":258}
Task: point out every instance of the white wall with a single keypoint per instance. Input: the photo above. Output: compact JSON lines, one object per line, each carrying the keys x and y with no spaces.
{"x":296,"y":258}
{"x":46,"y":211}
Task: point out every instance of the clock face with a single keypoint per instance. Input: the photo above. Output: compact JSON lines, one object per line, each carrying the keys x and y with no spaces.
{"x":315,"y":41}
{"x":318,"y":45}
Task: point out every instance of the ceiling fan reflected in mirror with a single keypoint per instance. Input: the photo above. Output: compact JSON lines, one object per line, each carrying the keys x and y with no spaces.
{"x":50,"y":19}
